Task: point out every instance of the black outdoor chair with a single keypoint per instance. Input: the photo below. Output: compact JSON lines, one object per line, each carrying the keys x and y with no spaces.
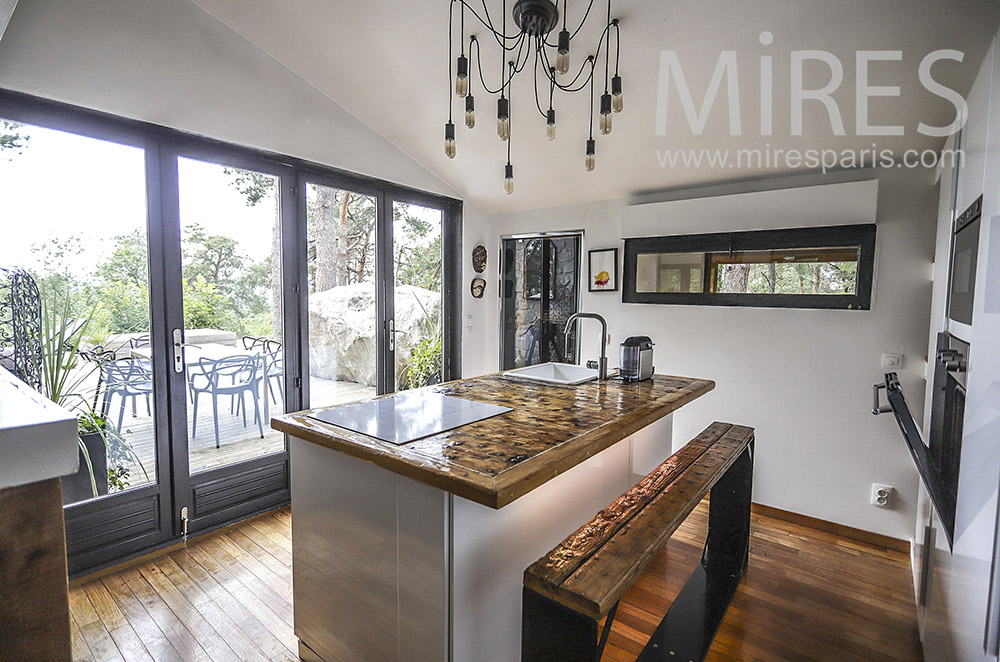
{"x":234,"y":376}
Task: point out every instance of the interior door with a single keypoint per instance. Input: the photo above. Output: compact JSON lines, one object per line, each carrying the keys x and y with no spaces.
{"x":541,"y":289}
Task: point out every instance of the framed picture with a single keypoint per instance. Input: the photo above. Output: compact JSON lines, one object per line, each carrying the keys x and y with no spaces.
{"x":603,"y":270}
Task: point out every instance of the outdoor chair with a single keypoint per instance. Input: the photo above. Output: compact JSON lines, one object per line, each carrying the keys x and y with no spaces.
{"x":127,"y":378}
{"x":234,"y":376}
{"x":250,"y":342}
{"x":100,"y":357}
{"x":139,"y":341}
{"x":274,"y":359}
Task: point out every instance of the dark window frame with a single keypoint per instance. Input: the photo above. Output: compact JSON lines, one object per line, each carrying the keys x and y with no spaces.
{"x":157,"y":505}
{"x":831,"y":236}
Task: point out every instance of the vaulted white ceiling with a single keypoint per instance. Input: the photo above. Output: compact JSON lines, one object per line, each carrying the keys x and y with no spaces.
{"x":386,"y":62}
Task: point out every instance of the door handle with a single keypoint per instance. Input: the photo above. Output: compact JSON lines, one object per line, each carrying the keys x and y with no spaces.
{"x":876,"y":407}
{"x":391,"y":325}
{"x":178,"y":350}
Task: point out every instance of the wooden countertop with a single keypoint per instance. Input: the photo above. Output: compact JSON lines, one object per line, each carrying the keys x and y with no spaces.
{"x":494,"y":461}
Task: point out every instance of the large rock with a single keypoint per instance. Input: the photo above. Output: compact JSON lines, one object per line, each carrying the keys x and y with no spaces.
{"x":342,"y":330}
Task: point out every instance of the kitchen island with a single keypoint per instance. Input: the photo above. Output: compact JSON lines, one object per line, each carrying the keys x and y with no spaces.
{"x":416,"y":551}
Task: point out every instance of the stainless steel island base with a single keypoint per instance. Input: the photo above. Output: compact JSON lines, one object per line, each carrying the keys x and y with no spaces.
{"x":389,"y":569}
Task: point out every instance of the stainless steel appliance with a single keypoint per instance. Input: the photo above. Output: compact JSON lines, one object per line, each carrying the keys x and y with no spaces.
{"x":964,"y":252}
{"x":636,"y":359}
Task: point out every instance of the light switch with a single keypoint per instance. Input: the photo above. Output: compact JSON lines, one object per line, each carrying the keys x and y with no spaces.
{"x":892,"y":361}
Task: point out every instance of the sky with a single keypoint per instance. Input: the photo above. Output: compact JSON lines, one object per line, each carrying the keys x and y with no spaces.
{"x":89,"y":191}
{"x":63,"y":185}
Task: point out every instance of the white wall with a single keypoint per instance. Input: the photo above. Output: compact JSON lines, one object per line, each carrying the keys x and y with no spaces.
{"x":171,"y":63}
{"x":802,"y":378}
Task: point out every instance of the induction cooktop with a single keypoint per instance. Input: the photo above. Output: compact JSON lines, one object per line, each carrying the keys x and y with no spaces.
{"x":408,"y":416}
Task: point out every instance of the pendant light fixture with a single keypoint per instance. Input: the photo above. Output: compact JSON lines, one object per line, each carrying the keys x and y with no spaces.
{"x":530,"y":41}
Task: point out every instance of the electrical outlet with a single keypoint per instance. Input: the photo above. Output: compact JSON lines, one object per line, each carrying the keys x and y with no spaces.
{"x":882,"y":495}
{"x":892,"y":361}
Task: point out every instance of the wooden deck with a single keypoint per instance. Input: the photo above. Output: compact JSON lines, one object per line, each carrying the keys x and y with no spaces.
{"x":808,"y":596}
{"x":237,"y":443}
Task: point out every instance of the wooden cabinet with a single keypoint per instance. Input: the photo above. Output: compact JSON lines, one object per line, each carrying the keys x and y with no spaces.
{"x":34,"y":602}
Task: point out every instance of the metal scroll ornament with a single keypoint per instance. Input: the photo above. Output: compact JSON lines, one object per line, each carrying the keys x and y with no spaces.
{"x":20,"y":325}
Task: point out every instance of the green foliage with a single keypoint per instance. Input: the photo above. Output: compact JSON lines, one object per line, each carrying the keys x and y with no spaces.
{"x":425,"y":362}
{"x":254,"y":186}
{"x":126,"y":306}
{"x":425,"y":367}
{"x":323,"y":209}
{"x":12,"y":137}
{"x":204,"y":305}
{"x":214,"y":257}
{"x":803,"y":278}
{"x":127,"y":262}
{"x":119,"y":452}
{"x":59,"y":366}
{"x":416,"y":250}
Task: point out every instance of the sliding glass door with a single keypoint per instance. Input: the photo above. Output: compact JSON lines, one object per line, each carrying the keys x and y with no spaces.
{"x":188,"y":291}
{"x":230,"y":224}
{"x":76,"y":227}
{"x":376,"y":272}
{"x":418,"y":307}
{"x":344,"y":346}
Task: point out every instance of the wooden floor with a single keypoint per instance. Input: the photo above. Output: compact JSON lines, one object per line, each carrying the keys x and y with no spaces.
{"x":807,"y":596}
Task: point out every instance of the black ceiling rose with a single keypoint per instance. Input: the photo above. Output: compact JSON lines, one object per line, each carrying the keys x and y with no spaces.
{"x":536,"y":17}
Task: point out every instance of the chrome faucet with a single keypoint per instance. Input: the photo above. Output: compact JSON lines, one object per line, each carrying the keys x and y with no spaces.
{"x":602,"y":363}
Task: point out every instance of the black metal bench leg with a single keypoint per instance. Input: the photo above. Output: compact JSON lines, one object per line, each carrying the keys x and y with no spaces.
{"x":729,"y":513}
{"x":687,"y":631}
{"x":551,"y":632}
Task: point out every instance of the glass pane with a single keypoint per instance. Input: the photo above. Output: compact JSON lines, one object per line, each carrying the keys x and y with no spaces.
{"x":74,"y":219}
{"x":540,"y":292}
{"x":342,"y":312}
{"x":670,"y":272}
{"x":416,"y":257}
{"x":231,"y":271}
{"x":785,"y":271}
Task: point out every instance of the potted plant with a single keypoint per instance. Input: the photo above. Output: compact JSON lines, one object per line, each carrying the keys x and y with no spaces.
{"x":64,"y":378}
{"x":424,"y":368}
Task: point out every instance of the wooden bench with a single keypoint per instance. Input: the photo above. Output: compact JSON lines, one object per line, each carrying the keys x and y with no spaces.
{"x":567,"y":592}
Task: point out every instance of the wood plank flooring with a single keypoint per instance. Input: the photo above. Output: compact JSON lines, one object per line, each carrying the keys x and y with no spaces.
{"x":808,"y":596}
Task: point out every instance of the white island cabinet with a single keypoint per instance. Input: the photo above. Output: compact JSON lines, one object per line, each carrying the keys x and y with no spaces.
{"x":416,"y":552}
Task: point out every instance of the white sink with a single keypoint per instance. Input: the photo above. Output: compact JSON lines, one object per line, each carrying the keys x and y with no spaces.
{"x":555,"y":373}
